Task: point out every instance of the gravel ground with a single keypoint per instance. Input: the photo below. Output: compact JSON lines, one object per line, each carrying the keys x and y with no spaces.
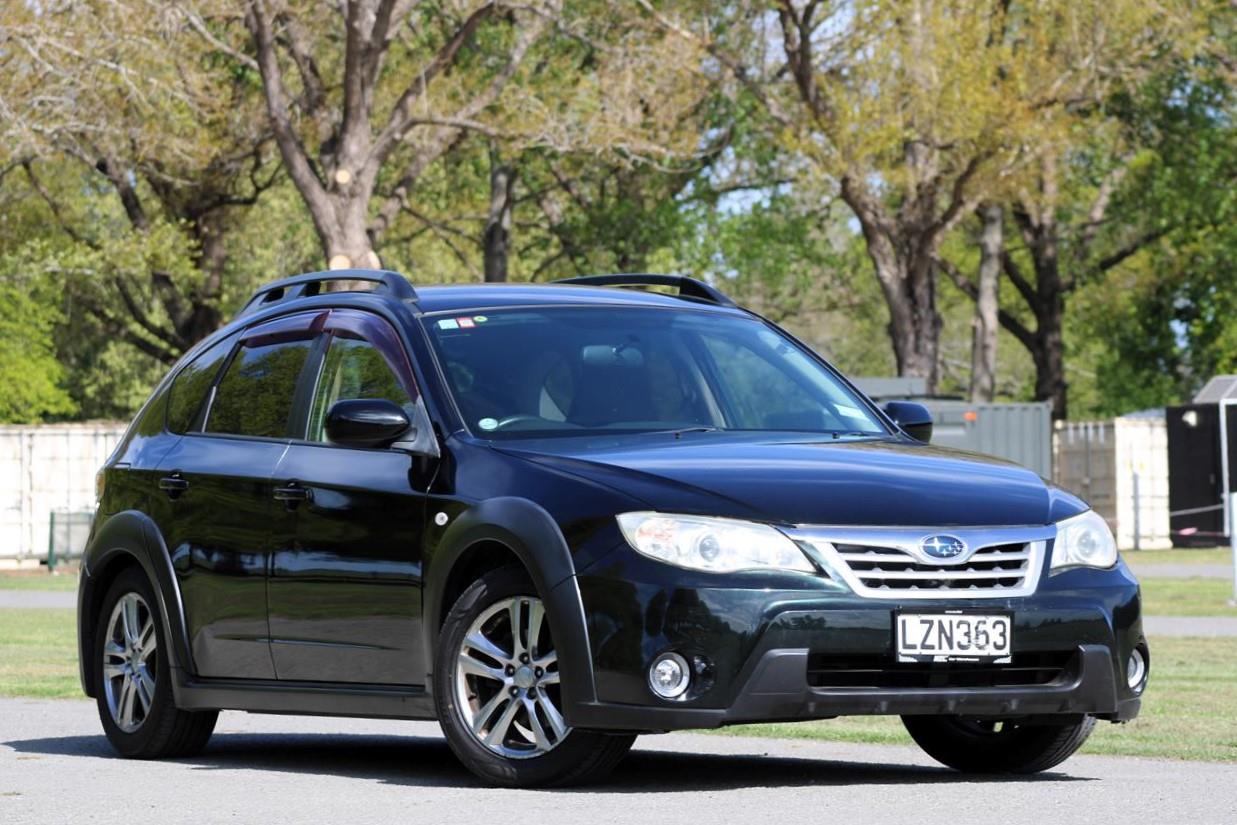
{"x":56,"y":767}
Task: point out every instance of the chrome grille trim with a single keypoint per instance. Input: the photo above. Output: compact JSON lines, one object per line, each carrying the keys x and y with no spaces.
{"x":887,"y":562}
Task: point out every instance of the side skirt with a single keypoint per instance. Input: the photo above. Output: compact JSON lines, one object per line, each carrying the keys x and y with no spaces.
{"x":303,"y":698}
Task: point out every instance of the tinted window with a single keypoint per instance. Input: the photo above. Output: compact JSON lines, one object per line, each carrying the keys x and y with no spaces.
{"x":353,"y":369}
{"x":572,"y":370}
{"x":254,"y":396}
{"x":188,"y":393}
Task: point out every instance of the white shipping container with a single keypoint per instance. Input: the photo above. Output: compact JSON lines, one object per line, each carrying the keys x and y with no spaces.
{"x":1120,"y":468}
{"x":45,"y":468}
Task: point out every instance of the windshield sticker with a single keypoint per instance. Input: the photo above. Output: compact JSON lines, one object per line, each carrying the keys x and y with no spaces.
{"x":488,"y":424}
{"x":448,"y":323}
{"x":480,"y":319}
{"x":466,"y":323}
{"x":851,"y":412}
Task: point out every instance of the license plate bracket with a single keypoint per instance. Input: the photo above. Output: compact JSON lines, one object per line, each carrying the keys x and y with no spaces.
{"x":953,"y":636}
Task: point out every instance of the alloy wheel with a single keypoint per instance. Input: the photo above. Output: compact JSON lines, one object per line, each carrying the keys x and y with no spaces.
{"x":129,"y":662}
{"x":507,"y":680}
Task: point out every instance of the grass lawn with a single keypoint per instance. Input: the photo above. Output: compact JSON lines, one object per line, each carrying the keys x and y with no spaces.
{"x":1190,"y":711}
{"x":1211,"y":555}
{"x":38,"y":580}
{"x":1187,"y":597}
{"x":38,"y":653}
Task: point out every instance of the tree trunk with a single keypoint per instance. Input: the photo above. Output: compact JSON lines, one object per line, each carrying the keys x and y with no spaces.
{"x":496,"y":241}
{"x":987,"y":304}
{"x":1049,"y":355}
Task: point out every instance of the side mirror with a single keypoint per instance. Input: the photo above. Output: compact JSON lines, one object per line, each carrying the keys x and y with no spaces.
{"x":914,"y":419}
{"x":366,"y":422}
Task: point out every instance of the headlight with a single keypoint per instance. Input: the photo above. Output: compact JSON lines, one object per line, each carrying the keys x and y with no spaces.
{"x":713,"y":544}
{"x":1083,"y":541}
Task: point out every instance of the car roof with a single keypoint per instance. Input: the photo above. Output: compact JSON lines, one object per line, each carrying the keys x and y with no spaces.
{"x":472,"y":297}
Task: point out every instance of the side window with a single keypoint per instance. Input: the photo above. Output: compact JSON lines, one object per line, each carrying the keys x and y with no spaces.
{"x":751,"y":380}
{"x":187,"y":395}
{"x":254,"y":397}
{"x":353,"y":369}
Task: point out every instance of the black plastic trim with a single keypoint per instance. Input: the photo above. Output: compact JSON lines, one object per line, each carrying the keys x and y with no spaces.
{"x":308,"y":698}
{"x":129,"y":536}
{"x":777,"y":690}
{"x":688,"y":287}
{"x":533,"y":536}
{"x":310,"y":283}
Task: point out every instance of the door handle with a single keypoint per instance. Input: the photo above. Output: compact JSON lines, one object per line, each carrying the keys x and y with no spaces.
{"x":174,"y":485}
{"x":292,"y":494}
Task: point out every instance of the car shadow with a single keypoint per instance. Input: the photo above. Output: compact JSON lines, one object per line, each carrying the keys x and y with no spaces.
{"x":428,"y":762}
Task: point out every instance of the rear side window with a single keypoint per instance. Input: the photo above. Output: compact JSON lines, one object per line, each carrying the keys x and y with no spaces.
{"x":188,"y":393}
{"x":254,"y":397}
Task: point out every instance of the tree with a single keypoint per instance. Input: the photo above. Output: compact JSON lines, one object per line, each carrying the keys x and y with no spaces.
{"x":31,"y":379}
{"x":141,"y":149}
{"x":916,"y":110}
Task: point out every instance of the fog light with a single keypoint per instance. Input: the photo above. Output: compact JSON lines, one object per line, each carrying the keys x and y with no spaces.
{"x":1136,"y":669}
{"x":669,"y":675}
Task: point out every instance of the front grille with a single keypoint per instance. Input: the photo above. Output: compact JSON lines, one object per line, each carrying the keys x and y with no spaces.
{"x":1024,"y":670}
{"x":1002,"y":567}
{"x":892,"y":562}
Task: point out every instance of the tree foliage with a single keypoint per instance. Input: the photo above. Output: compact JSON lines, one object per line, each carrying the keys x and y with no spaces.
{"x":881,"y":177}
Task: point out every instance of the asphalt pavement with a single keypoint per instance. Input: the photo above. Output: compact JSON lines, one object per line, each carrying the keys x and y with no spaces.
{"x":56,"y":767}
{"x":1174,"y":570}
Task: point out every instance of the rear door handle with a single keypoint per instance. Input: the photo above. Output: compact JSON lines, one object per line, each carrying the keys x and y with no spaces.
{"x":174,"y":485}
{"x":292,"y":494}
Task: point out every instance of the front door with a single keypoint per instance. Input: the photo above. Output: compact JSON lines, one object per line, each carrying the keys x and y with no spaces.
{"x":345,"y":584}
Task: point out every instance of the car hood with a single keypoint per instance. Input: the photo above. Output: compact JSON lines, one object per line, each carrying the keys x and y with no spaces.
{"x":877,"y":482}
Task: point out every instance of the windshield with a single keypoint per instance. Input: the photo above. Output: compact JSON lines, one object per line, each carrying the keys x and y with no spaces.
{"x":537,"y":372}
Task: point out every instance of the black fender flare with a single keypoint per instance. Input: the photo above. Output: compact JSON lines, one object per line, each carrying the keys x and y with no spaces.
{"x":534,"y":537}
{"x":125,"y":537}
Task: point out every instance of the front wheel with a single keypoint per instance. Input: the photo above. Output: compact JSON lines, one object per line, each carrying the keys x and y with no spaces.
{"x":498,"y":696}
{"x":998,"y":746}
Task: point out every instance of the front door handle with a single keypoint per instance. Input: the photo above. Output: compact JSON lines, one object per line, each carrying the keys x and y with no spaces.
{"x":174,"y":485}
{"x":292,"y":494}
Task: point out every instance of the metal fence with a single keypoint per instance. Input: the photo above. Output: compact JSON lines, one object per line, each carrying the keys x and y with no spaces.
{"x":44,"y":469}
{"x":1120,"y":467}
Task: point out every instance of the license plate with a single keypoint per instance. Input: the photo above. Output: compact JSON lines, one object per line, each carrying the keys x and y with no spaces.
{"x":952,"y":637}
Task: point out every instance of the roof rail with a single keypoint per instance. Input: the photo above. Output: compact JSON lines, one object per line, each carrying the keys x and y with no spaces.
{"x":688,"y":287}
{"x":304,"y":286}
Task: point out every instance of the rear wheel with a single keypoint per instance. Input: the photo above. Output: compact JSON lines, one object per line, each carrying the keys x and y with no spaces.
{"x":134,"y":694}
{"x":498,"y":695}
{"x":998,"y":746}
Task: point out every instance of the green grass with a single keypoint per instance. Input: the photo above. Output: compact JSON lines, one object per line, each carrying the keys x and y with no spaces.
{"x":1189,"y":711}
{"x":1187,"y":597}
{"x":38,"y":580}
{"x":38,"y":653}
{"x":1213,"y":555}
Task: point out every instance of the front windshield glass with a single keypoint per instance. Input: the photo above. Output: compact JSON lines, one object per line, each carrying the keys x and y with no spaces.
{"x":563,"y":371}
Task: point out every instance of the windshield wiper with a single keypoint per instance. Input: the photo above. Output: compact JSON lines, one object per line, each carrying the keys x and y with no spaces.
{"x":685,"y":430}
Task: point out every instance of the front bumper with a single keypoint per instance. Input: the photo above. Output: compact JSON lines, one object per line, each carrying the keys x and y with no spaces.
{"x":763,"y":651}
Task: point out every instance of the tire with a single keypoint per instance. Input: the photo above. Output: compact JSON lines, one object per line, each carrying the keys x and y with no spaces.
{"x":506,"y":687}
{"x":979,"y":746}
{"x":140,"y":722}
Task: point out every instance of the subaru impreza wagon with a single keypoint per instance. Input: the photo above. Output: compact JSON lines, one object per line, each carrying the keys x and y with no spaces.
{"x":553,"y":517}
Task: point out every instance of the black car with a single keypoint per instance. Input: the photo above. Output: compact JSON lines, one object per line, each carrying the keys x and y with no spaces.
{"x":553,"y":517}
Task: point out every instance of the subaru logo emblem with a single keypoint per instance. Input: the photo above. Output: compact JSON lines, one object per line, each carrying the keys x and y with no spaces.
{"x":942,"y":547}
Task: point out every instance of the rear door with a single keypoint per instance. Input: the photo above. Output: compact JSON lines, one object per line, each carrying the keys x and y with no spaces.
{"x":345,"y":586}
{"x":218,"y":482}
